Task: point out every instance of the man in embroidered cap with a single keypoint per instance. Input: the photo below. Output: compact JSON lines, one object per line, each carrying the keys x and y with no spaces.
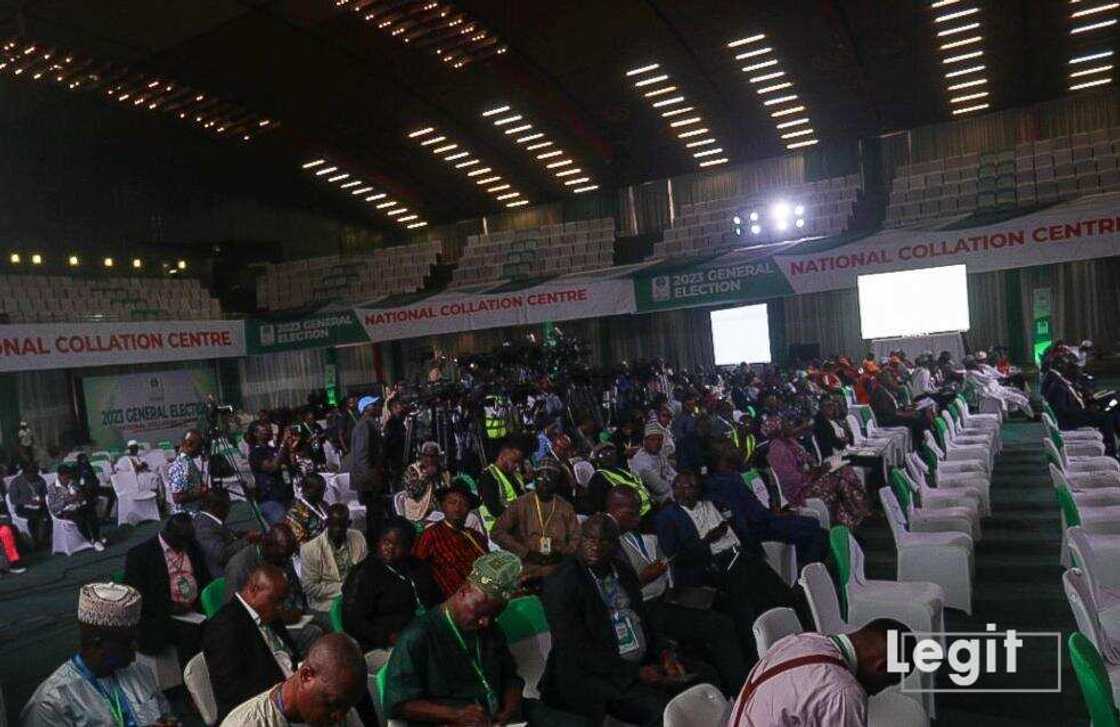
{"x":101,"y":685}
{"x":652,"y":466}
{"x":452,"y":665}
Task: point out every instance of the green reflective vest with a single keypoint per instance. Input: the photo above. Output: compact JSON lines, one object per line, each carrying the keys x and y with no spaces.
{"x":506,"y":492}
{"x":624,"y":477}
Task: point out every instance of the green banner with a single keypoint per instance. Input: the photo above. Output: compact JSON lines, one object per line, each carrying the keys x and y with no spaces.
{"x":315,"y":330}
{"x":734,"y":277}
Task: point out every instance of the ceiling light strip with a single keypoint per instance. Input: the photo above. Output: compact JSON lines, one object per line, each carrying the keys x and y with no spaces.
{"x":465,"y":162}
{"x":540,"y":137}
{"x":766,"y":76}
{"x":1086,"y":19}
{"x":958,"y":26}
{"x":323,"y":170}
{"x":672,"y":107}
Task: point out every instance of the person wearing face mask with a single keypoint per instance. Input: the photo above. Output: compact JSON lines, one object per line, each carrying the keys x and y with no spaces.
{"x":540,"y":527}
{"x":450,"y":545}
{"x":452,"y":665}
{"x":246,"y":644}
{"x":386,"y":592}
{"x":328,"y":559}
{"x":321,"y":693}
{"x":101,"y":685}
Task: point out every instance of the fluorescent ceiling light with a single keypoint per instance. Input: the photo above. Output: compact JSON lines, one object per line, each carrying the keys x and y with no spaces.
{"x":775,"y":87}
{"x":561,"y":163}
{"x":375,"y":197}
{"x":963,"y":41}
{"x":753,"y":53}
{"x":799,"y":132}
{"x":518,"y":129}
{"x":456,"y":155}
{"x":338,"y":177}
{"x":643,"y":69}
{"x":550,"y":154}
{"x":652,"y":80}
{"x":581,"y":180}
{"x":761,"y":64}
{"x":569,"y":172}
{"x":701,"y":142}
{"x":507,"y":120}
{"x":433,"y":140}
{"x":476,"y":172}
{"x":383,"y":205}
{"x":399,"y":210}
{"x":467,"y":163}
{"x":415,"y":225}
{"x":421,"y":132}
{"x":691,"y":132}
{"x":968,"y":97}
{"x":498,"y":188}
{"x":943,"y":3}
{"x":1093,"y":26}
{"x":795,"y":122}
{"x":1095,"y":10}
{"x":518,"y":203}
{"x":686,"y":122}
{"x":1090,"y":71}
{"x":315,"y":163}
{"x":963,"y":56}
{"x":326,"y":170}
{"x":767,"y":76}
{"x":488,"y":180}
{"x":407,"y":218}
{"x":355,"y":183}
{"x":963,"y":71}
{"x":1085,"y":59}
{"x":668,"y":101}
{"x":677,"y":112}
{"x":445,"y":147}
{"x":707,"y":152}
{"x":660,"y":91}
{"x":362,"y":190}
{"x":958,"y":29}
{"x":713,"y":162}
{"x":508,"y":195}
{"x":496,"y":110}
{"x":956,"y":14}
{"x":588,"y":188}
{"x":799,"y":144}
{"x":779,"y":99}
{"x":1089,"y":84}
{"x":968,"y":109}
{"x":746,"y":41}
{"x":968,"y":84}
{"x":787,"y":112}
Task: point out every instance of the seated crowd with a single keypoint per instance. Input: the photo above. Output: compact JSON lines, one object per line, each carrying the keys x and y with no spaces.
{"x":639,"y":532}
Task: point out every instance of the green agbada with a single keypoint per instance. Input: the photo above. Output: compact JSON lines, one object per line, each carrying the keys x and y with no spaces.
{"x":428,"y":662}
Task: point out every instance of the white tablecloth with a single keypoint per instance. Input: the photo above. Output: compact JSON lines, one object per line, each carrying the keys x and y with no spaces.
{"x":914,"y":345}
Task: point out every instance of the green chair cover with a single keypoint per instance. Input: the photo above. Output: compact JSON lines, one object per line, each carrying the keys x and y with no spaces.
{"x":841,"y":553}
{"x":1093,"y":678}
{"x":212,"y":597}
{"x":523,"y":617}
{"x":336,"y":616}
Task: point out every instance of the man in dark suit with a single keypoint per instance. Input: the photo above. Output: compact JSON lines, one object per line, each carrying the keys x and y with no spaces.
{"x":367,"y":464}
{"x":169,"y":571}
{"x":888,"y":413}
{"x":1073,"y":410}
{"x":247,"y":647}
{"x":604,"y":659}
{"x":217,"y":540}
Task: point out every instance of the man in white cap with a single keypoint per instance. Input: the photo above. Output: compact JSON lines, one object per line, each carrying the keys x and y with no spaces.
{"x":147,"y":480}
{"x":101,"y":685}
{"x":651,"y":464}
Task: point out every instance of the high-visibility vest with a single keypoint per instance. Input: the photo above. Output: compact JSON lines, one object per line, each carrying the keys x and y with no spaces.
{"x":506,"y":492}
{"x":494,"y":423}
{"x":746,"y":443}
{"x":623,"y":477}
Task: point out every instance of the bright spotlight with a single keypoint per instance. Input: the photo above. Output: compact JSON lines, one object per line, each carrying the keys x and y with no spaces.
{"x":73,"y":261}
{"x":779,"y":211}
{"x":800,"y":222}
{"x":798,"y":210}
{"x":781,"y":225}
{"x":755,"y":229}
{"x":36,"y":259}
{"x":108,"y":262}
{"x":737,"y":220}
{"x":754,"y":217}
{"x":14,"y":257}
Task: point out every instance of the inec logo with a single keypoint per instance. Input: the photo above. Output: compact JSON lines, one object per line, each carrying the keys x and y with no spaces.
{"x":660,"y":288}
{"x":982,"y":662}
{"x":268,"y":334}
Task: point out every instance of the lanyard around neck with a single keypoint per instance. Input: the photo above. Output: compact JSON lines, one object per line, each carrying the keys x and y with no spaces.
{"x":475,"y":659}
{"x":409,"y":581}
{"x":540,"y":516}
{"x":466,"y":535}
{"x":119,"y":707}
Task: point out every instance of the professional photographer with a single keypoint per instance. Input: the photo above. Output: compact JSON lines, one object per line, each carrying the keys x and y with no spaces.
{"x":267,"y":464}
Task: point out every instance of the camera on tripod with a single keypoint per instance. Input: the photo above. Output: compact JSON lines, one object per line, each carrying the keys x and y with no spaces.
{"x":223,"y":408}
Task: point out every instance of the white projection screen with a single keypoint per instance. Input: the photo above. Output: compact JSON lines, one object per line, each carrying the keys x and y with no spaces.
{"x":741,"y":335}
{"x":913,"y":302}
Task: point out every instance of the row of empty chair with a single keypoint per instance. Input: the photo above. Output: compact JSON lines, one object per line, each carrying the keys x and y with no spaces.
{"x":828,"y":206}
{"x":387,"y":271}
{"x":1038,"y":172}
{"x":549,"y":250}
{"x":30,"y":298}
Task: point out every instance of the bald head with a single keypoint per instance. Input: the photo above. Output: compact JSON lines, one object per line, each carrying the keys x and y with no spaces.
{"x":331,"y":680}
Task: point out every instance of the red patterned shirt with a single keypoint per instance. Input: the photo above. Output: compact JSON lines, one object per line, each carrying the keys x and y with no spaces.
{"x":450,"y":552}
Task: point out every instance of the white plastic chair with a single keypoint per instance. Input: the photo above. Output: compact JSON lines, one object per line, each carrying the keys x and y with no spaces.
{"x":980,"y":455}
{"x":942,"y":558}
{"x":963,"y":463}
{"x":133,"y":505}
{"x":777,"y":623}
{"x":939,"y":497}
{"x":980,"y":437}
{"x":814,"y":507}
{"x":1081,"y":602}
{"x":970,"y":417}
{"x":700,"y":706}
{"x":946,"y":477}
{"x":531,"y":654}
{"x":921,"y":606}
{"x":1104,"y":552}
{"x":1075,"y":446}
{"x":22,"y":524}
{"x":825,"y":607}
{"x":196,"y":677}
{"x":66,"y":538}
{"x":1084,"y":434}
{"x":1105,"y":469}
{"x":1096,"y":570}
{"x":782,"y":557}
{"x":165,"y":667}
{"x":920,"y":519}
{"x":1086,"y":490}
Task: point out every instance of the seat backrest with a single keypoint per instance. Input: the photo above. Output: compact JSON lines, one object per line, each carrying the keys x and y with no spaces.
{"x":1084,"y":607}
{"x":1091,"y":565}
{"x":853,"y":424}
{"x":1057,"y":477}
{"x":212,"y":596}
{"x":1070,"y":516}
{"x":895,"y":518}
{"x":900,"y":486}
{"x":336,"y":615}
{"x":777,"y":623}
{"x":523,"y":617}
{"x":698,"y":706}
{"x":196,"y":676}
{"x":1093,"y":678}
{"x":823,"y":602}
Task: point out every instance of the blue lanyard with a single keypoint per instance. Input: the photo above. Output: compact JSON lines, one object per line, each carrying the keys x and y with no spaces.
{"x":640,"y":542}
{"x":119,"y":706}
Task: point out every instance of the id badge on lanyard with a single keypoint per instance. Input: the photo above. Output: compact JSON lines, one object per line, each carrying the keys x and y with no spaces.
{"x":625,"y":634}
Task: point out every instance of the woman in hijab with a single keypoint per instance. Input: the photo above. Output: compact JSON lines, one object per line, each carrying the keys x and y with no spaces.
{"x":800,"y":479}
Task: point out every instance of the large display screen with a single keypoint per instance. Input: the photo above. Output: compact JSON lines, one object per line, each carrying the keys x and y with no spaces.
{"x":913,"y":302}
{"x":741,"y":335}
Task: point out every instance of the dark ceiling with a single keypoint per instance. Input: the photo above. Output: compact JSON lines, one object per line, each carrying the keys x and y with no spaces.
{"x":339,"y":87}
